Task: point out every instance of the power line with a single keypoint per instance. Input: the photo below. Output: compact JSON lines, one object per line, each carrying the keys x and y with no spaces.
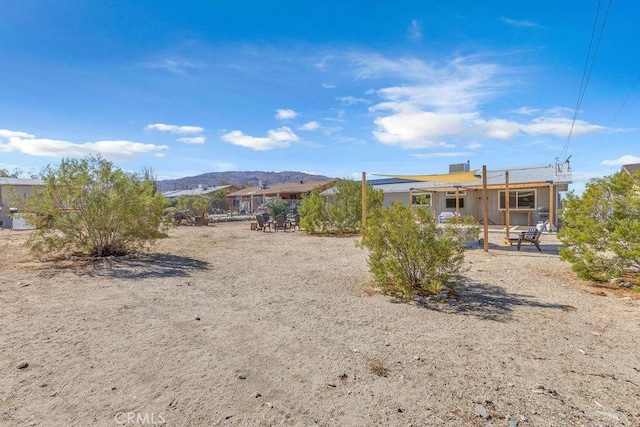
{"x":587,"y":75}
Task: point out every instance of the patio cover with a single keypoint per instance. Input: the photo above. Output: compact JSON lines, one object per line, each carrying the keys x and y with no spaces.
{"x":446,"y":177}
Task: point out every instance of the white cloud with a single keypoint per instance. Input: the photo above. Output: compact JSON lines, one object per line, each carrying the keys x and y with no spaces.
{"x":25,"y":143}
{"x":411,"y":128}
{"x":474,"y":146}
{"x":556,"y":126}
{"x":623,"y":160}
{"x":415,"y":31}
{"x":276,"y":138}
{"x":284,"y":114}
{"x":172,"y":65}
{"x":193,"y":140}
{"x":435,"y":103}
{"x":352,"y":100}
{"x":6,"y":134}
{"x":310,"y":126}
{"x":520,"y":23}
{"x":328,"y":86}
{"x":183,"y":130}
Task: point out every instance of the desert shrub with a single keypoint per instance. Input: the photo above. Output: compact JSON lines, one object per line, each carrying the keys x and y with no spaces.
{"x":601,"y":228}
{"x":409,"y":253}
{"x":340,"y":213}
{"x":88,"y":206}
{"x":195,"y":204}
{"x":277,"y":207}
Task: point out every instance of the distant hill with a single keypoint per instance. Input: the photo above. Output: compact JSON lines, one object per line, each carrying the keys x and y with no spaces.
{"x":239,"y":178}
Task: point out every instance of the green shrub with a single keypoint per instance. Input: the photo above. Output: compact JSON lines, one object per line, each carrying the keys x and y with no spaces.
{"x":277,"y":207}
{"x":411,"y":254}
{"x":340,"y":213}
{"x":601,"y":228}
{"x":195,"y":204}
{"x":89,"y":206}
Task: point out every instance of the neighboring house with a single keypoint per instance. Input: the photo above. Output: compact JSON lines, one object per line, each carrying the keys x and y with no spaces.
{"x":630,"y":169}
{"x":201,"y":191}
{"x":534,"y":194}
{"x":10,"y":188}
{"x":250,"y":199}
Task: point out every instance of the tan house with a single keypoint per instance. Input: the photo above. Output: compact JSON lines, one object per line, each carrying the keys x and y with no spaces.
{"x":251,"y":199}
{"x":10,"y":188}
{"x":534,"y":194}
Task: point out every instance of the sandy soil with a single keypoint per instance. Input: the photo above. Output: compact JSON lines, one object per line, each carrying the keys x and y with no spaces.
{"x":290,"y":333}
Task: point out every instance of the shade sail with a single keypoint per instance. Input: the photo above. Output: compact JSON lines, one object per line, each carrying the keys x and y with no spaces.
{"x":446,"y":177}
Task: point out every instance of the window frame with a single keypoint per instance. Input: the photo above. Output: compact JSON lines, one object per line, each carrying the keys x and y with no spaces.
{"x":514,"y":194}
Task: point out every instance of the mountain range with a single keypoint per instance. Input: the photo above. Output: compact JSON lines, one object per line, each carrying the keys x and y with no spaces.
{"x":252,"y":178}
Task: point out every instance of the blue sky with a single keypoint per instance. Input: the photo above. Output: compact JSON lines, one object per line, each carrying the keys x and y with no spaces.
{"x":332,"y":87}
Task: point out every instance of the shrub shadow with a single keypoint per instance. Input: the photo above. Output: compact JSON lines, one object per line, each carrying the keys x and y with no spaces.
{"x":151,"y":266}
{"x":490,"y":302}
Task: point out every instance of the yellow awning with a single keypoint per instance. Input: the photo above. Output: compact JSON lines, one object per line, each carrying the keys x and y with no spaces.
{"x":446,"y":177}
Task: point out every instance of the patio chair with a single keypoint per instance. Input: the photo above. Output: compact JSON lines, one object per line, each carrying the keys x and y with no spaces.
{"x":262,"y":223}
{"x":446,"y":216}
{"x":530,"y":236}
{"x":280,"y":222}
{"x":295,"y":222}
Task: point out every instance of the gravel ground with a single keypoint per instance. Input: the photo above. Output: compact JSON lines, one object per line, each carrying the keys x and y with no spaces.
{"x":227,"y":326}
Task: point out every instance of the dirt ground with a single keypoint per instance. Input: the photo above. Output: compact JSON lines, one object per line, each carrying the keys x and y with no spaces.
{"x":227,"y":326}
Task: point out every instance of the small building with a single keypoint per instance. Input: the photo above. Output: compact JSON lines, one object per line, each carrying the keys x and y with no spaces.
{"x":534,"y":194}
{"x":201,"y":191}
{"x":249,"y":200}
{"x":10,"y":188}
{"x":630,"y":169}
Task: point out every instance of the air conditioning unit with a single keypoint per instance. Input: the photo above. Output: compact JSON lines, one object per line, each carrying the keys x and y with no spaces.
{"x":459,"y":167}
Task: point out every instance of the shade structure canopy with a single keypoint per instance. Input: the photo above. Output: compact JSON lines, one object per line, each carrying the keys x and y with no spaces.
{"x":468,"y":176}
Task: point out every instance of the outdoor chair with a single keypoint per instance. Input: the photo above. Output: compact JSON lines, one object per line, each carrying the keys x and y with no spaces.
{"x":280,"y":222}
{"x":295,"y":222}
{"x":446,"y":216}
{"x":262,"y":223}
{"x":530,"y":236}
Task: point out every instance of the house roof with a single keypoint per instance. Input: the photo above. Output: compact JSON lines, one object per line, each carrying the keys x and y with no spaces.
{"x":556,"y":173}
{"x":287,"y":188}
{"x":199,"y":191}
{"x":631,"y":168}
{"x":20,"y":181}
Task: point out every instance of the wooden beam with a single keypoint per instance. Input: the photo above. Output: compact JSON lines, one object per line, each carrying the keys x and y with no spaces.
{"x":552,"y":200}
{"x":364,"y":202}
{"x":485,"y":208}
{"x":507,"y":220}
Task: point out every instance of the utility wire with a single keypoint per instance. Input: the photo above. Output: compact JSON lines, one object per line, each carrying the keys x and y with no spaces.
{"x":587,"y":75}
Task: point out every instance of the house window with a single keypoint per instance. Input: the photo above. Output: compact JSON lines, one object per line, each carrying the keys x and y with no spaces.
{"x":450,"y":203}
{"x":421,"y":199}
{"x":519,"y":199}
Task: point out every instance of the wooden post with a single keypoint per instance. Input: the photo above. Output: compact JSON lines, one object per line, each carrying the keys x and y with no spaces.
{"x":552,"y":200}
{"x":364,"y":202}
{"x":485,"y":208}
{"x":434,"y":205}
{"x":507,"y":219}
{"x":457,"y":203}
{"x":411,"y":198}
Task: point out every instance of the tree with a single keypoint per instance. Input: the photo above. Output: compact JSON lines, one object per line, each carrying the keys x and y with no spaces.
{"x":4,"y":173}
{"x":601,"y":228}
{"x":277,"y":206}
{"x":411,"y":254}
{"x":341,"y":213}
{"x":88,"y":206}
